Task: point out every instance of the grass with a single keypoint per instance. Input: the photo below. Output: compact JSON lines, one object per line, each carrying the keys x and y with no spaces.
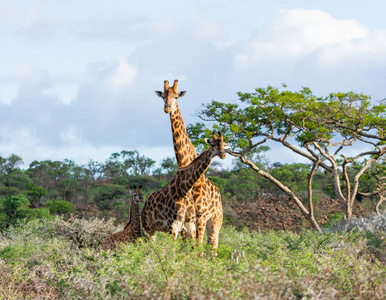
{"x":36,"y":261}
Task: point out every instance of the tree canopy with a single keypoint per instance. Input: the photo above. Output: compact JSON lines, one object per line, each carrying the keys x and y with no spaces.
{"x":320,"y":129}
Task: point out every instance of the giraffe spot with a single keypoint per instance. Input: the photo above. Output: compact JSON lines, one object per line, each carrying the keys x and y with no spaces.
{"x":173,"y":190}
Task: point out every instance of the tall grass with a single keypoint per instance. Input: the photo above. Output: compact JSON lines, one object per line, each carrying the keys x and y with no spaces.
{"x":37,"y":261}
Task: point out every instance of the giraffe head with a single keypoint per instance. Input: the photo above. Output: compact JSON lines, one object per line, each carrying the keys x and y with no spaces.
{"x":217,"y":142}
{"x":170,"y":96}
{"x":137,"y":194}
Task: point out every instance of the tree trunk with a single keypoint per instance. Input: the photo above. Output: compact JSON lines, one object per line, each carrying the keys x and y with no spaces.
{"x":378,"y":204}
{"x":281,"y":186}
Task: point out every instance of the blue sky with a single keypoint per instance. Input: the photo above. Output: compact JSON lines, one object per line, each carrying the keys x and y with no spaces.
{"x":77,"y":78}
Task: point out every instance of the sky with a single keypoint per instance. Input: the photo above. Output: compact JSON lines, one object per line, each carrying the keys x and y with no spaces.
{"x":77,"y":78}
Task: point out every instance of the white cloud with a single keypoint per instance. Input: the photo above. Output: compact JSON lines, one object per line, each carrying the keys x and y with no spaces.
{"x":163,"y":27}
{"x":8,"y":92}
{"x":367,"y":51}
{"x":72,"y":98}
{"x":70,"y":136}
{"x":297,"y":33}
{"x":66,"y":93}
{"x":204,"y":29}
{"x":123,"y":75}
{"x":28,"y":73}
{"x":21,"y":141}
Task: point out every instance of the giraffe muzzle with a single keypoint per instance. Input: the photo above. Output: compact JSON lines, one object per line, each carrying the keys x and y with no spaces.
{"x":167,"y":108}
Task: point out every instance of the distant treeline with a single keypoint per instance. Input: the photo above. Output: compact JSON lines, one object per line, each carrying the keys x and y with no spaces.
{"x":51,"y":187}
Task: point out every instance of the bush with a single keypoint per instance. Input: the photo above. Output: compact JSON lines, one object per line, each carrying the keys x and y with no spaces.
{"x":84,"y":233}
{"x":104,"y":194}
{"x":334,"y":218}
{"x":12,"y":204}
{"x":31,"y":214}
{"x":272,"y":265}
{"x":375,"y":223}
{"x":60,"y":207}
{"x":3,"y":220}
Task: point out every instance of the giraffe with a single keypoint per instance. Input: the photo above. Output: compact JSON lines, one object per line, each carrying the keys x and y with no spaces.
{"x":206,"y":196}
{"x":132,"y":229}
{"x":165,"y":210}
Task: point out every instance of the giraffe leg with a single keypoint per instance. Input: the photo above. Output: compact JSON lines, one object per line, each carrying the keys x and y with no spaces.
{"x":190,"y":224}
{"x":176,"y":228}
{"x":213,"y":226}
{"x":190,"y":230}
{"x":200,"y":230}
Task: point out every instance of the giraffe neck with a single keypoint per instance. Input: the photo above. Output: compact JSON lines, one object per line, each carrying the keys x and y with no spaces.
{"x":188,"y":176}
{"x":134,"y":221}
{"x":183,"y":148}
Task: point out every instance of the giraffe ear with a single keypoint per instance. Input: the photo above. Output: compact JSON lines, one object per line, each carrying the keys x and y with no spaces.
{"x":226,"y":146}
{"x":181,"y":94}
{"x":159,"y":93}
{"x":208,"y":142}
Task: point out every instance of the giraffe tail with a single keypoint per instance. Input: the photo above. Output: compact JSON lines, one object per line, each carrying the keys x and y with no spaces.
{"x":143,"y":231}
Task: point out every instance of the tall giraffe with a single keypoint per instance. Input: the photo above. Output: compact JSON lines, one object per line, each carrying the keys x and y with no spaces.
{"x":165,"y":210}
{"x":206,"y":196}
{"x":132,"y":229}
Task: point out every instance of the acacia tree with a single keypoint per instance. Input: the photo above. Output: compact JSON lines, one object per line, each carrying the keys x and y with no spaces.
{"x":325,"y":130}
{"x":64,"y":177}
{"x":375,"y":183}
{"x":93,"y":170}
{"x":127,"y":163}
{"x":8,"y":166}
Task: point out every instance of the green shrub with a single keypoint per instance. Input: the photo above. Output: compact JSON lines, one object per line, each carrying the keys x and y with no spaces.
{"x":31,"y":214}
{"x":83,"y":233}
{"x":334,"y":218}
{"x":3,"y":220}
{"x":103,"y":195}
{"x":60,"y":207}
{"x":44,"y":257}
{"x":13,"y":203}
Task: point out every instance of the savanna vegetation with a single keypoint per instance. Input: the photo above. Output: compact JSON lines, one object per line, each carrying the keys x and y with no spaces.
{"x":292,"y":231}
{"x":49,"y":260}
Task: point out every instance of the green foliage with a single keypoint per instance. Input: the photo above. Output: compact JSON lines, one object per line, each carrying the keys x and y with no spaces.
{"x":35,"y":193}
{"x":128,"y":163}
{"x":169,"y":164}
{"x":60,"y":207}
{"x":149,"y":183}
{"x":334,"y":218}
{"x":312,"y":127}
{"x":12,"y":204}
{"x":29,"y":214}
{"x":270,"y":112}
{"x":248,"y":265}
{"x":3,"y":220}
{"x":10,"y":176}
{"x":103,"y":195}
{"x":245,"y":184}
{"x":292,"y":175}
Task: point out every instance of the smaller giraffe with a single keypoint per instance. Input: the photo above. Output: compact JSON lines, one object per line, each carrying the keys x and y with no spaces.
{"x":167,"y":209}
{"x":132,"y":229}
